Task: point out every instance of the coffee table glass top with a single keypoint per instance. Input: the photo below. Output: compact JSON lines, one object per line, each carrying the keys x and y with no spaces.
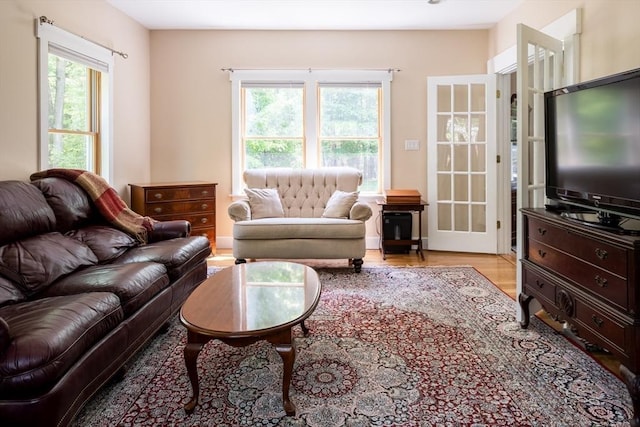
{"x":252,"y":297}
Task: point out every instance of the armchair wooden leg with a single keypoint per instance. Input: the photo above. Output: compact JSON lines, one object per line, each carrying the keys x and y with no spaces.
{"x":240,"y":261}
{"x":357,"y":264}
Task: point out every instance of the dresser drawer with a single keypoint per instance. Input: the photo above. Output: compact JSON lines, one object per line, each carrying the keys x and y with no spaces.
{"x":600,"y":325}
{"x":537,"y":285}
{"x":153,"y":195}
{"x":169,"y":208}
{"x":598,"y":281}
{"x":596,"y":252}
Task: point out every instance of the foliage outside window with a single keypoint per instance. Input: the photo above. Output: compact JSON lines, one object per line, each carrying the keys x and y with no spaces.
{"x":312,"y":119}
{"x":74,"y":111}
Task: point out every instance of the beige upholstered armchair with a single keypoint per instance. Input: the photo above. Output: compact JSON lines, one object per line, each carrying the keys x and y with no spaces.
{"x":300,"y":214}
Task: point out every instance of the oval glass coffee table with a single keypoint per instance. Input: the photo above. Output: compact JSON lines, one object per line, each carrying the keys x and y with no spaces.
{"x":245,"y":303}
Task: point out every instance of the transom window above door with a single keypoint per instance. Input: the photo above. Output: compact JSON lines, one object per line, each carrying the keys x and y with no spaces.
{"x":310,"y":118}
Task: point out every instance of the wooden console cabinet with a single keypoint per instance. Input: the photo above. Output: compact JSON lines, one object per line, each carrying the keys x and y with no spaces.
{"x":191,"y":201}
{"x":589,"y":278}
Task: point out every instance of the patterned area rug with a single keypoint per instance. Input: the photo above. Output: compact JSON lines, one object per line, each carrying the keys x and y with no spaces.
{"x":420,"y":346}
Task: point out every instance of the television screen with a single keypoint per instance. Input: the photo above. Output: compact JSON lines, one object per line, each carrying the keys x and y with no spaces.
{"x":592,"y":133}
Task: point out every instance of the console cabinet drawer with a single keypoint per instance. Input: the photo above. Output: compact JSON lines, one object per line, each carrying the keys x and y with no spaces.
{"x":538,"y":285}
{"x":596,"y":280}
{"x":600,"y":325}
{"x":596,"y":252}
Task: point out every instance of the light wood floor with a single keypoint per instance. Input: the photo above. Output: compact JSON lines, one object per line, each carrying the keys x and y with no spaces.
{"x":500,"y":269}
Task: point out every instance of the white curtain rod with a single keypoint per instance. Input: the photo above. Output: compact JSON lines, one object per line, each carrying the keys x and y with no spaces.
{"x":231,"y":70}
{"x":44,"y":20}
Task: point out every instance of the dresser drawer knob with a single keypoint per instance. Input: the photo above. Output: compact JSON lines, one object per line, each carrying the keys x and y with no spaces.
{"x":204,"y":220}
{"x":601,"y":253}
{"x":598,"y":321}
{"x":158,"y":195}
{"x":205,"y":192}
{"x":601,"y":281}
{"x":204,"y":206}
{"x":542,"y":231}
{"x":158,"y":210}
{"x":541,"y":253}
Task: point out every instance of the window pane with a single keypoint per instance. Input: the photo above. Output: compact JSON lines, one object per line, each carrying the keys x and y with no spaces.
{"x":360,"y":154}
{"x":273,"y":111}
{"x":349,"y":111}
{"x":261,"y":153}
{"x":68,"y":95}
{"x":70,"y":151}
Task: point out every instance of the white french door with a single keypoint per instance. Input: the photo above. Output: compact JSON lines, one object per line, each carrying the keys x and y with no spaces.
{"x":461,"y":149}
{"x":540,"y":65}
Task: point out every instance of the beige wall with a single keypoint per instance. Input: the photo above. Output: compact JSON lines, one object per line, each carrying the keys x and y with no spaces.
{"x":191,"y":97}
{"x":610,"y":32}
{"x":94,"y":20}
{"x":173,"y":122}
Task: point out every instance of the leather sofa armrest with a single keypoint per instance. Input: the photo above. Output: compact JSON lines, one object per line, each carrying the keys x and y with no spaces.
{"x":165,"y":230}
{"x":240,"y":210}
{"x":360,"y":211}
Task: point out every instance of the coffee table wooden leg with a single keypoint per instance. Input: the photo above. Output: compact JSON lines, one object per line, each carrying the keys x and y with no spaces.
{"x":191,"y":352}
{"x":284,"y":347}
{"x":305,"y":330}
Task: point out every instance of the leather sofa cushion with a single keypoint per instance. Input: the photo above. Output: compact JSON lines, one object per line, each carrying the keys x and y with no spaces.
{"x":9,"y":292}
{"x":134,"y":284}
{"x":107,"y":243}
{"x":36,"y":262}
{"x":70,"y":203}
{"x":49,"y":335}
{"x":298,"y":228}
{"x":178,"y":255}
{"x":24,"y":212}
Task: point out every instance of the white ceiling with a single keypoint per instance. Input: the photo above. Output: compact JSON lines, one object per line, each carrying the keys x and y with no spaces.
{"x":316,"y":14}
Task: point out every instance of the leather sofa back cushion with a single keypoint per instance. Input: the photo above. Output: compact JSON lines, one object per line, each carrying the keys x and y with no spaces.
{"x":107,"y":243}
{"x":70,"y":203}
{"x":24,"y":212}
{"x":36,"y":262}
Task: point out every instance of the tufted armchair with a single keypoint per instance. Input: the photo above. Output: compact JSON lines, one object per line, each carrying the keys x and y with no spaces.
{"x":300,"y":214}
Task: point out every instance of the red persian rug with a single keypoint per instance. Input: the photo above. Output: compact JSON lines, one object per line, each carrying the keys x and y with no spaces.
{"x":423,"y":346}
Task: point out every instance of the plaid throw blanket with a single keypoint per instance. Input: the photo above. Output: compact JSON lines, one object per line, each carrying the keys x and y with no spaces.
{"x":106,"y":200}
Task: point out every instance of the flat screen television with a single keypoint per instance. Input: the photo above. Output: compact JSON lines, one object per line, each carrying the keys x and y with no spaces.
{"x":592,"y":151}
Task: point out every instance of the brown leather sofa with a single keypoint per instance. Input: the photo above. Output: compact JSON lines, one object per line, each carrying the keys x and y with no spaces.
{"x":78,"y":297}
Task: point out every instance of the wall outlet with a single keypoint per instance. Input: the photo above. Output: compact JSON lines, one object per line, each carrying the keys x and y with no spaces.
{"x":411,"y":144}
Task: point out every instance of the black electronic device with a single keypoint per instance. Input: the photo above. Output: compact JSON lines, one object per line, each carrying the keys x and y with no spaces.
{"x":397,"y":226}
{"x":592,"y":148}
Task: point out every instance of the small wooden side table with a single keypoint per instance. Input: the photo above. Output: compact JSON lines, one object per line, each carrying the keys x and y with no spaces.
{"x":401,"y":207}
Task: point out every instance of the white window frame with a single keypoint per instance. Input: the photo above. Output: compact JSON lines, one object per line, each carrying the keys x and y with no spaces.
{"x":55,"y":40}
{"x":309,"y":78}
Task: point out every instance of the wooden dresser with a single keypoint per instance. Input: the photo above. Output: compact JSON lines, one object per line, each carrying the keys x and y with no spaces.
{"x":589,"y":278}
{"x":191,"y":201}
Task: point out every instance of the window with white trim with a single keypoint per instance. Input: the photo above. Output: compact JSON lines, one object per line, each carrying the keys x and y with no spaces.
{"x":311,"y":118}
{"x":75,"y":102}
